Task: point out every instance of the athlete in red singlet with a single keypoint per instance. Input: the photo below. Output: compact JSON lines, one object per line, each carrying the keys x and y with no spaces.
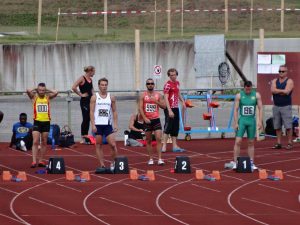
{"x":149,"y":103}
{"x":172,"y":97}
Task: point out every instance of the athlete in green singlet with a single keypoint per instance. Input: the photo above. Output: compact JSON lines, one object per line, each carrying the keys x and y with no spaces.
{"x":245,"y":106}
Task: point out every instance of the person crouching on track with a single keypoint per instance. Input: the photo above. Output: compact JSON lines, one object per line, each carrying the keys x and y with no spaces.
{"x":41,"y":124}
{"x":103,"y":113}
{"x":149,"y":104}
{"x":246,"y":102}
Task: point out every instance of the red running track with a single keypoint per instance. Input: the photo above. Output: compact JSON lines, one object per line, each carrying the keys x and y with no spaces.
{"x":171,"y":199}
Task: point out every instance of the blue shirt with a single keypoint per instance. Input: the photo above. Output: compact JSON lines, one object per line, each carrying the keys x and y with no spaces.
{"x":21,"y":130}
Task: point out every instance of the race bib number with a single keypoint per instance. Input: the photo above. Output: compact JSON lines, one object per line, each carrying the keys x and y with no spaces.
{"x":42,"y":108}
{"x":150,"y":107}
{"x":103,"y":112}
{"x":248,"y":110}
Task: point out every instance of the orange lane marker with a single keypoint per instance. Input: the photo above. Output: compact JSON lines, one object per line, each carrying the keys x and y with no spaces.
{"x":279,"y":173}
{"x":199,"y":174}
{"x":22,"y":175}
{"x":85,"y":175}
{"x":70,"y":175}
{"x":150,"y":174}
{"x":216,"y":174}
{"x":133,"y":174}
{"x":262,"y":174}
{"x":6,"y":175}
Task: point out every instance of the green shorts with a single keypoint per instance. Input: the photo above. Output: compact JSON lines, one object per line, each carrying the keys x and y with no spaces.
{"x":247,"y":125}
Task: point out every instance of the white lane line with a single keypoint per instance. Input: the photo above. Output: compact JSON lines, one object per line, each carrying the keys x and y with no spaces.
{"x":8,"y":190}
{"x":196,"y":185}
{"x":54,"y":206}
{"x":90,"y":194}
{"x":11,"y":218}
{"x":201,"y":206}
{"x":278,"y":189}
{"x":292,"y":176}
{"x":164,"y":212}
{"x":141,"y":189}
{"x":236,"y":210}
{"x":231,"y":176}
{"x":74,"y":189}
{"x":278,"y":207}
{"x":280,"y":161}
{"x":125,"y":205}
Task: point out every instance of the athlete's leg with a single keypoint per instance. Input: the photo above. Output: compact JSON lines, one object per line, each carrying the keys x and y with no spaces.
{"x":99,"y":150}
{"x":158,"y":134}
{"x":36,"y":142}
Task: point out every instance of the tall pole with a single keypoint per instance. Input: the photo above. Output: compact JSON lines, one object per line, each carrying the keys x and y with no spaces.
{"x":282,"y":16}
{"x":39,"y":17}
{"x":226,"y":16}
{"x":169,"y":17}
{"x":57,"y":25}
{"x":251,"y":19}
{"x":261,"y":40}
{"x":137,"y":60}
{"x":154,"y":25}
{"x":105,"y":17}
{"x":181,"y":17}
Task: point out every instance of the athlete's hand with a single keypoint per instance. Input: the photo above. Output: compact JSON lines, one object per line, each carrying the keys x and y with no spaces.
{"x":147,"y":121}
{"x":94,"y":129}
{"x":236,"y":127}
{"x":171,"y":114}
{"x":259,"y":126}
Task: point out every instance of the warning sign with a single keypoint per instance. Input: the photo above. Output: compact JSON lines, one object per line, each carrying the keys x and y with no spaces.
{"x":157,"y":72}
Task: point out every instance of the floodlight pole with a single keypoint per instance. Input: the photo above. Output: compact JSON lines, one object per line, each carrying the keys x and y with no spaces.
{"x":226,"y":16}
{"x":169,"y":17}
{"x":282,"y":16}
{"x":39,"y":17}
{"x":251,"y":19}
{"x":105,"y":17}
{"x":137,"y":60}
{"x":154,"y":25}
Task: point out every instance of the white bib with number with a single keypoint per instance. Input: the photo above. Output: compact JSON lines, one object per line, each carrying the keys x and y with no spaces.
{"x":103,"y":110}
{"x":248,"y":110}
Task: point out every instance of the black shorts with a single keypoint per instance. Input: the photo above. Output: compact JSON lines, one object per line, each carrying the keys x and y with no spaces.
{"x":172,"y":124}
{"x":104,"y":130}
{"x":41,"y":126}
{"x":153,"y":125}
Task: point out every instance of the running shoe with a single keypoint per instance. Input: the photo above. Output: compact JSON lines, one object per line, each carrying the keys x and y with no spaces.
{"x":160,"y":162}
{"x":151,"y":162}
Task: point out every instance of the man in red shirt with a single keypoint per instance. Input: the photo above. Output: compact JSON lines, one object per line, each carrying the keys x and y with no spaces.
{"x":149,"y":103}
{"x":172,"y":96}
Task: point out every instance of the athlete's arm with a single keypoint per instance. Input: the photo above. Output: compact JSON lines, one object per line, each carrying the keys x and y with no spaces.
{"x":92,"y":111}
{"x":52,"y":93}
{"x":260,"y":110}
{"x":289,"y":87}
{"x":274,"y":90}
{"x":236,"y":110}
{"x":30,"y":92}
{"x":161,"y":103}
{"x":78,"y":82}
{"x":115,"y":114}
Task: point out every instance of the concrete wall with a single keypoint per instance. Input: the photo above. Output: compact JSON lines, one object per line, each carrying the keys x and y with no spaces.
{"x":59,"y":65}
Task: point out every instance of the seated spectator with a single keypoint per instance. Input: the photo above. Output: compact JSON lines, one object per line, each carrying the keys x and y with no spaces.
{"x":22,"y":134}
{"x":136,"y":133}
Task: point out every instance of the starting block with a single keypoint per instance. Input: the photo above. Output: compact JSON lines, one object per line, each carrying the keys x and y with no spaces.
{"x":85,"y":175}
{"x":133,"y":174}
{"x":216,"y":174}
{"x":262,"y":173}
{"x":22,"y":175}
{"x":150,"y":174}
{"x":279,"y":173}
{"x":103,"y":170}
{"x":70,"y":175}
{"x":199,"y":174}
{"x":6,"y":176}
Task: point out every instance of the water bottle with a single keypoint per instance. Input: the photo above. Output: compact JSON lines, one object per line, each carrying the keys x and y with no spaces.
{"x":53,"y":144}
{"x":125,"y":139}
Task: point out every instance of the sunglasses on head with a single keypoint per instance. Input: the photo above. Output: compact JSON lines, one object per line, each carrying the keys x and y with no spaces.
{"x":150,"y":83}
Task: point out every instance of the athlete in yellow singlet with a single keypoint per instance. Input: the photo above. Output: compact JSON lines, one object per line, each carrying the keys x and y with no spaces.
{"x":41,"y":121}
